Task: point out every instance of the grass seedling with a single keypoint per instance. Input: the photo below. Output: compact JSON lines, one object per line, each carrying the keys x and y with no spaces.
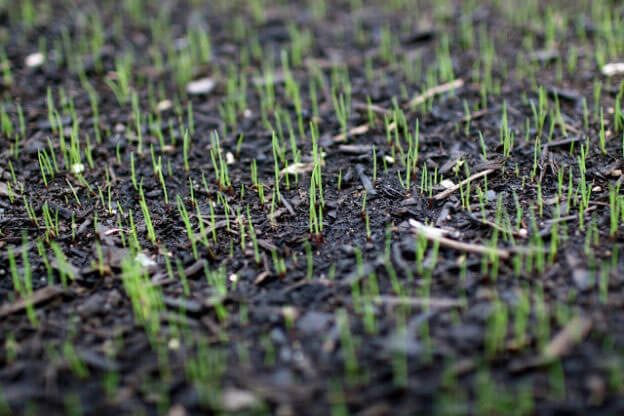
{"x":348,"y":345}
{"x":276,"y":151}
{"x":483,"y":146}
{"x":254,"y":240}
{"x":183,"y":278}
{"x":145,"y":298}
{"x":342,"y":107}
{"x":77,"y":366}
{"x":45,"y":166}
{"x":65,"y":269}
{"x":22,"y":284}
{"x":497,"y":329}
{"x":316,"y":200}
{"x":219,"y":164}
{"x":120,"y":80}
{"x":187,"y":224}
{"x":279,"y":265}
{"x":136,"y":112}
{"x":151,"y":234}
{"x":133,"y":172}
{"x":364,"y":214}
{"x":603,"y":139}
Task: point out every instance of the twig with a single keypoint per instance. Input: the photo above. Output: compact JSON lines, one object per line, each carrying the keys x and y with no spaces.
{"x":209,"y":229}
{"x":568,"y":217}
{"x":455,"y":187}
{"x":475,"y":115}
{"x":563,"y":142}
{"x":410,"y":301}
{"x":366,"y":182}
{"x":571,"y":334}
{"x":437,"y":234}
{"x":38,"y":296}
{"x":549,"y":223}
{"x":372,"y":107}
{"x":355,"y":149}
{"x":439,"y":89}
{"x":468,"y":117}
{"x":522,"y":233}
{"x":355,"y":131}
{"x":162,"y":279}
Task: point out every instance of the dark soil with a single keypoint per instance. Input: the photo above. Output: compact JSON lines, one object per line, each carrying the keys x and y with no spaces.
{"x":382,"y":322}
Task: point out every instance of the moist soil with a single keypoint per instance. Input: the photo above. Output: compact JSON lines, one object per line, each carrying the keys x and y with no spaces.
{"x":313,"y":323}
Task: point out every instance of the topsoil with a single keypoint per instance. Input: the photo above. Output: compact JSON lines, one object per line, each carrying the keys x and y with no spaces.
{"x":286,"y":340}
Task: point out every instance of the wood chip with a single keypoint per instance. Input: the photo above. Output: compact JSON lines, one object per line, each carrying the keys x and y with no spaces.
{"x":563,"y":142}
{"x":4,"y":189}
{"x":236,"y":400}
{"x":267,"y":245}
{"x":262,"y":277}
{"x":175,"y":318}
{"x":208,"y":230}
{"x":38,"y":296}
{"x":366,"y":182}
{"x":437,"y":90}
{"x":98,"y":361}
{"x":195,"y":268}
{"x":573,"y":333}
{"x":355,"y":131}
{"x":567,"y":338}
